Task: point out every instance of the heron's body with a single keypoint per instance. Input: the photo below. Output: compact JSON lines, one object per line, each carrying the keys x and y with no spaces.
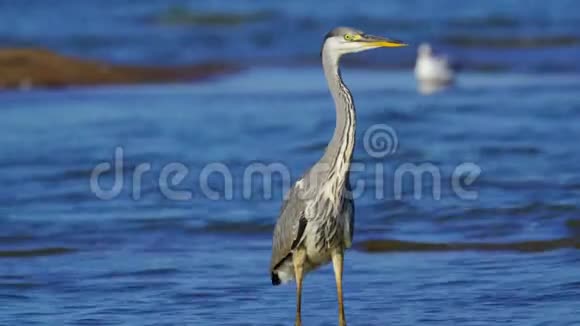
{"x":316,"y":222}
{"x":318,"y":235}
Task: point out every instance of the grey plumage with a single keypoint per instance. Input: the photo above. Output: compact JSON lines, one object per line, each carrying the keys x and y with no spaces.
{"x":316,"y":222}
{"x":327,"y":212}
{"x":287,"y":233}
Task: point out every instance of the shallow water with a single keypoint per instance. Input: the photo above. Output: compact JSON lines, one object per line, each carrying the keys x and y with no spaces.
{"x":508,"y":257}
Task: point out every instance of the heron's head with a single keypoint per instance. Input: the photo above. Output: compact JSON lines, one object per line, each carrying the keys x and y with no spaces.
{"x":344,"y":40}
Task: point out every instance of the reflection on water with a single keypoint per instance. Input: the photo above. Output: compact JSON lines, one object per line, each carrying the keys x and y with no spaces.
{"x":431,"y":87}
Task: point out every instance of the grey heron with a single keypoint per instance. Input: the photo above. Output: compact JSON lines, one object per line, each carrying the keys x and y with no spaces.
{"x":316,"y":222}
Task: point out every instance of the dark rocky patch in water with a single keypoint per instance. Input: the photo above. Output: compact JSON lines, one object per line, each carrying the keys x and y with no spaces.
{"x":27,"y":253}
{"x":527,"y":42}
{"x":374,"y":246}
{"x":30,"y":68}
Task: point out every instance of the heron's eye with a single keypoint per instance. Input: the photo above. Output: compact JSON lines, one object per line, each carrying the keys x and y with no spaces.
{"x":348,"y":37}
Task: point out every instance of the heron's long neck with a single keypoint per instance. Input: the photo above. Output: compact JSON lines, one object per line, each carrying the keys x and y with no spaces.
{"x":339,"y":151}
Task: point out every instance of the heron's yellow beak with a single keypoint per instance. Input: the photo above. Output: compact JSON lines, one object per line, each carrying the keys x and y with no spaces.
{"x":379,"y":41}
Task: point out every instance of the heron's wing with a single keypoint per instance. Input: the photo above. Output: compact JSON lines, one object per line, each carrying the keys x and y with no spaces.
{"x":348,"y":217}
{"x":348,"y":214}
{"x":289,"y":228}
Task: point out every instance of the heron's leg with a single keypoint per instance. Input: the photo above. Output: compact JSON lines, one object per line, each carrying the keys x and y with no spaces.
{"x":337,"y":260}
{"x":298,"y":259}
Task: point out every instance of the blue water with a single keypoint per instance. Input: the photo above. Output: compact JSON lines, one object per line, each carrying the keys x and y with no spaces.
{"x":290,"y":32}
{"x":508,"y":257}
